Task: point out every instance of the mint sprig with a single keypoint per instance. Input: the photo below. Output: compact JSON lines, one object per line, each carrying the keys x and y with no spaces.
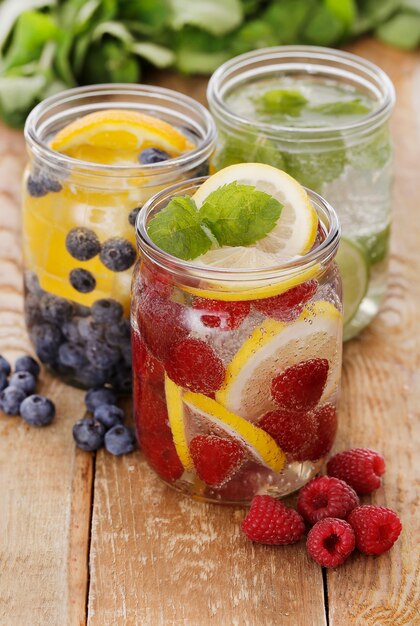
{"x":239,"y":215}
{"x":285,"y":101}
{"x":176,"y":229}
{"x":345,"y":107}
{"x":235,"y":215}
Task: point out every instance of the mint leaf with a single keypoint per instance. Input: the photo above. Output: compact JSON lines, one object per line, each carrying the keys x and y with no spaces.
{"x":285,"y":101}
{"x":373,"y":153}
{"x":349,"y":107}
{"x":248,"y":147}
{"x":402,"y":30}
{"x":216,"y":17}
{"x":176,"y":229}
{"x":239,"y":215}
{"x":318,"y":166}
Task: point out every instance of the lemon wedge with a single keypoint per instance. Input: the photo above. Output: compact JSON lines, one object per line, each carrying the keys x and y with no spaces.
{"x":117,"y":136}
{"x":175,"y":407}
{"x":296,"y":228}
{"x":257,"y":441}
{"x":273,"y":347}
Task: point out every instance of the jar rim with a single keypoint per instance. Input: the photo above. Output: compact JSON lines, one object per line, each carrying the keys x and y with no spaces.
{"x":323,"y":253}
{"x":34,"y":125}
{"x":302,"y":56}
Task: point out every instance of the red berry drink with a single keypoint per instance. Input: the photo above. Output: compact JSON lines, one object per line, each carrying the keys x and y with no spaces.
{"x":236,"y":334}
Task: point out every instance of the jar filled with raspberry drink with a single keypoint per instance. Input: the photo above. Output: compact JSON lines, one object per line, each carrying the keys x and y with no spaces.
{"x":236,"y":334}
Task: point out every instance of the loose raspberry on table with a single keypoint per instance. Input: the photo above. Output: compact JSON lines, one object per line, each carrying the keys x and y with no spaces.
{"x":193,"y":364}
{"x":288,"y":305}
{"x":269,"y":521}
{"x":161,"y":322}
{"x":215,"y":459}
{"x":359,"y":467}
{"x":292,"y":431}
{"x":300,"y":387}
{"x":377,"y":528}
{"x":330,"y":542}
{"x":222,"y":315}
{"x":326,"y":497}
{"x":326,"y":419}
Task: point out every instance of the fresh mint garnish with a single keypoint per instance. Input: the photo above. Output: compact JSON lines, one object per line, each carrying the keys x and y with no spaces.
{"x":345,"y":107}
{"x":176,"y":229}
{"x":239,"y":215}
{"x":284,"y":101}
{"x":249,"y":147}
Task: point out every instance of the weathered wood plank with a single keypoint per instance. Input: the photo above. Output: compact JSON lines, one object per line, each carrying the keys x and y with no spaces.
{"x":381,"y":390}
{"x":45,"y":485}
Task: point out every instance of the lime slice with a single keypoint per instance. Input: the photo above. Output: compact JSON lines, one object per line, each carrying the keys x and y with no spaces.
{"x":259,"y":443}
{"x":354,"y":269}
{"x":175,"y":407}
{"x":273,"y":347}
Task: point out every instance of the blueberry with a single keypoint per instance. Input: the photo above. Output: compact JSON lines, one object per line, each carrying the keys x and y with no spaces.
{"x":91,"y":376}
{"x":27,"y":364}
{"x":55,"y":309}
{"x":52,"y":184}
{"x":3,"y":381}
{"x":81,"y":310}
{"x":88,"y":434}
{"x":153,"y":155}
{"x":118,"y":334}
{"x":89,"y":329}
{"x":120,"y":440}
{"x":82,"y":243}
{"x":82,"y":280}
{"x":38,"y":185}
{"x":132,"y":216}
{"x":109,"y":414}
{"x":4,"y":366}
{"x":32,"y":283}
{"x":118,"y":254}
{"x":107,"y":310}
{"x":47,"y":339}
{"x":101,"y":355}
{"x":71,"y":355}
{"x":70,"y":330}
{"x":202,"y":170}
{"x":33,"y":313}
{"x":123,"y":379}
{"x":37,"y":410}
{"x":24,"y":380}
{"x":10,"y":400}
{"x":126,"y":352}
{"x":99,"y":395}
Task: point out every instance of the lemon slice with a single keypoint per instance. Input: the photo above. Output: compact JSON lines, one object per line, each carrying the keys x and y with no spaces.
{"x":273,"y":347}
{"x":175,"y":407}
{"x":257,"y":441}
{"x":296,"y":228}
{"x":117,"y":136}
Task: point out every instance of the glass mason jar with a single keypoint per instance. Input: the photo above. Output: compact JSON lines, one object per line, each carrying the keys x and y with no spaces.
{"x":76,"y":303}
{"x":210,"y":348}
{"x":346,"y":158}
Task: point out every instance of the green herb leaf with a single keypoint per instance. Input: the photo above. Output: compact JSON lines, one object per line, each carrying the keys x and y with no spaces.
{"x":248,"y":147}
{"x":33,"y":30}
{"x":239,"y":215}
{"x":402,"y":30}
{"x":176,"y":229}
{"x":216,"y":17}
{"x":317,"y":167}
{"x":285,"y":101}
{"x":349,"y":107}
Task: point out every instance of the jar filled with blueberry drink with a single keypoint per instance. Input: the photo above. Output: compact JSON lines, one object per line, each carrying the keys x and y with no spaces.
{"x":236,"y":334}
{"x":96,"y":154}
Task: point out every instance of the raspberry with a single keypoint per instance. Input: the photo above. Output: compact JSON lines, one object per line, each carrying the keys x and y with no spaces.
{"x":161,"y":322}
{"x":223,"y":315}
{"x":292,"y":431}
{"x":144,"y":362}
{"x":376,"y":528}
{"x":300,"y":387}
{"x":326,"y":497}
{"x":330,"y":542}
{"x":271,"y":522}
{"x":193,"y":364}
{"x":326,"y":419}
{"x":161,"y":454}
{"x":360,"y":467}
{"x":153,"y":415}
{"x":215,"y":459}
{"x":288,"y":305}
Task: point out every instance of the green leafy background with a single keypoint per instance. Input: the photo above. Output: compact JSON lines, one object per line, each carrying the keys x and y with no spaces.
{"x":48,"y":45}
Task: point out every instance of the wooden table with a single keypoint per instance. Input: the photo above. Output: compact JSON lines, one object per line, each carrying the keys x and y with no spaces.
{"x":99,"y":540}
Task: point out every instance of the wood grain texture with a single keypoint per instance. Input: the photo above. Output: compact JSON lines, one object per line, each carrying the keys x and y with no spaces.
{"x":45,"y":485}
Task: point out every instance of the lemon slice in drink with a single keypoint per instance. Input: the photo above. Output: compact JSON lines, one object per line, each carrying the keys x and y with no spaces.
{"x":175,"y":405}
{"x":354,"y":269}
{"x":259,"y":443}
{"x":296,"y":228}
{"x":117,"y":136}
{"x":273,"y":347}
